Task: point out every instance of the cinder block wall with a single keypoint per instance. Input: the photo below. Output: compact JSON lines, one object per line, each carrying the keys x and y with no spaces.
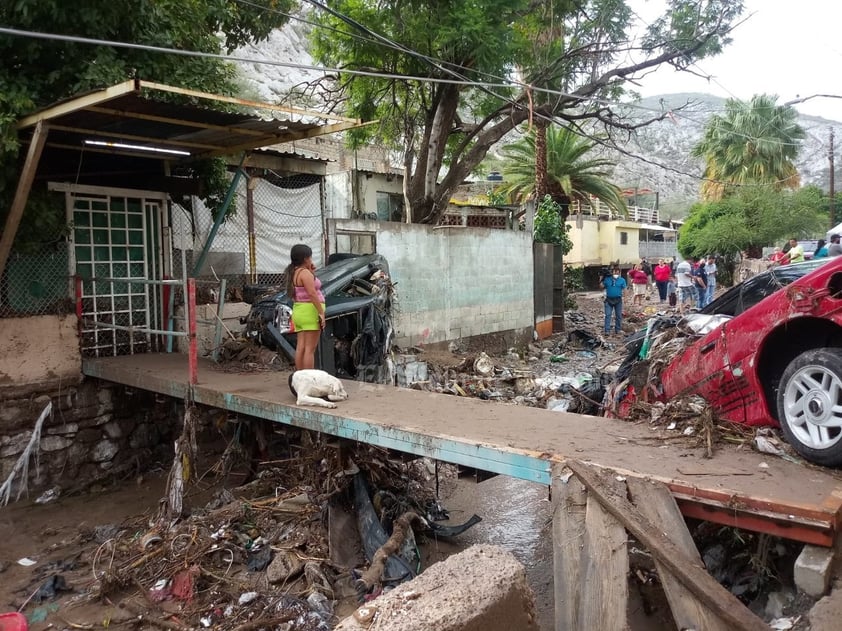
{"x":454,"y":282}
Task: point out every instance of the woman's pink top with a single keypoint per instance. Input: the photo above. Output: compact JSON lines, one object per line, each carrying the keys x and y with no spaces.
{"x":662,"y":272}
{"x":638,"y":277}
{"x":301,"y":294}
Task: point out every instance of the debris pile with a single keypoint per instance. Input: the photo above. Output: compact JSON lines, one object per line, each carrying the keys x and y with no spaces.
{"x":260,"y":555}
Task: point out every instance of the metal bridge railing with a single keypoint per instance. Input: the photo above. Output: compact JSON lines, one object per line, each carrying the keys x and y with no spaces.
{"x":115,"y":318}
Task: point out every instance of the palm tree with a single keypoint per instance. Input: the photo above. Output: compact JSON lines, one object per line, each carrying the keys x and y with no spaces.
{"x":571,"y":175}
{"x":753,"y":142}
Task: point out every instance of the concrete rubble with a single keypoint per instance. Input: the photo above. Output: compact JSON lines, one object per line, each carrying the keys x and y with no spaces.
{"x":483,"y":588}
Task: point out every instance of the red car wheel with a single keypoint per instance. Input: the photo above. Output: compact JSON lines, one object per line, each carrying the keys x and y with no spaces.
{"x":810,"y":405}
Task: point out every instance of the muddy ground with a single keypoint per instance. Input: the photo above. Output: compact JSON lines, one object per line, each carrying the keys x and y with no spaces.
{"x":107,"y":559}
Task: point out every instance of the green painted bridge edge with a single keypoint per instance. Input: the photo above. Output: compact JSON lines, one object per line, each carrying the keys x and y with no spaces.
{"x":505,"y":461}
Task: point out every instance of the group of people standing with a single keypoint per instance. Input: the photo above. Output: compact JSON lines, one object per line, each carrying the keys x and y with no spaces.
{"x":794,"y":253}
{"x":689,"y":284}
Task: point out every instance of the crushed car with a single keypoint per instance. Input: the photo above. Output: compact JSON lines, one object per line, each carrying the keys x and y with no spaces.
{"x":766,"y":352}
{"x":358,"y":334}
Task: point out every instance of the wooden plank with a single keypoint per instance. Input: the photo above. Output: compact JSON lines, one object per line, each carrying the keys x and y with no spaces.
{"x":691,"y":574}
{"x":78,"y":103}
{"x":655,"y":502}
{"x":27,"y":174}
{"x":569,"y":507}
{"x":604,"y":591}
{"x":590,"y":560}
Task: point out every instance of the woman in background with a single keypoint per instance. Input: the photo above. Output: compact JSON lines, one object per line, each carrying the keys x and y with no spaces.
{"x":308,"y":308}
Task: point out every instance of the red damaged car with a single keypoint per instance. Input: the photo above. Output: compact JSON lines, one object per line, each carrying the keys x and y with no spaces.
{"x":767,"y":352}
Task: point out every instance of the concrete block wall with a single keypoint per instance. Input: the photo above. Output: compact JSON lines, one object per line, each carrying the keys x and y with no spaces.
{"x":454,"y":282}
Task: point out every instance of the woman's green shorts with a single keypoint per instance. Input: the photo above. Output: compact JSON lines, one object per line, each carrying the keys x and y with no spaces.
{"x":305,"y":317}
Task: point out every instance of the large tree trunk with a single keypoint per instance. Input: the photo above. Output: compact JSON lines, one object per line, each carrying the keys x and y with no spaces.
{"x":541,"y":183}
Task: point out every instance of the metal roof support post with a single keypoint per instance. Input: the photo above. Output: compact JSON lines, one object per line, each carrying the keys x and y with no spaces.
{"x":30,"y":165}
{"x":220,"y":216}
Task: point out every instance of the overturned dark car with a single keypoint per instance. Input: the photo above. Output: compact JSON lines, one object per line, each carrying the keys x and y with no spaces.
{"x":766,"y":352}
{"x":357,"y":338}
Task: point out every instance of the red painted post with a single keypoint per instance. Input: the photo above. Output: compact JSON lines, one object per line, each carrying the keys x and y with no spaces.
{"x":193,"y":349}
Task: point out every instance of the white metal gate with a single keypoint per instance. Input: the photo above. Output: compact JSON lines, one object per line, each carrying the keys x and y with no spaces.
{"x":116,"y":237}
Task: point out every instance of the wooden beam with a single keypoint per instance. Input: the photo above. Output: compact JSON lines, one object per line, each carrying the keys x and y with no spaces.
{"x":604,"y":587}
{"x":30,"y":165}
{"x":151,"y":85}
{"x":290,"y":136}
{"x":691,"y":574}
{"x":294,"y":164}
{"x":173,"y":121}
{"x":590,"y":560}
{"x":655,"y":502}
{"x":569,"y":505}
{"x":78,"y":103}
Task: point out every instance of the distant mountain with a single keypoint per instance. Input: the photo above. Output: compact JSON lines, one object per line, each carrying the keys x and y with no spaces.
{"x":669,"y":142}
{"x":666,"y":142}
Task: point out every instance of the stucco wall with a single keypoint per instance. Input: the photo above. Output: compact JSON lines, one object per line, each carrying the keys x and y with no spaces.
{"x":454,"y":282}
{"x":598,"y":242}
{"x":37,"y":350}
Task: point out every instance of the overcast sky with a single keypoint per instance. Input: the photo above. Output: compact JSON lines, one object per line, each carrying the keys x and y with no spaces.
{"x":792,"y":48}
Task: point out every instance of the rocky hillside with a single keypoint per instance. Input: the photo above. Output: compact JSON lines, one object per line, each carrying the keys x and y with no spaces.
{"x":668,"y":143}
{"x":662,"y":150}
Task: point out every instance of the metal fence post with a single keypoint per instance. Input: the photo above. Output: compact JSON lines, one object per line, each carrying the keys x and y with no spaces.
{"x":220,"y":309}
{"x":193,"y":349}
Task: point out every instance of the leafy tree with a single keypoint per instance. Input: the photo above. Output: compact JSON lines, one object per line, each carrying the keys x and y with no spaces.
{"x":549,"y":225}
{"x":37,"y":72}
{"x":578,"y":49}
{"x":751,"y":218}
{"x":570,"y":174}
{"x":753,"y":142}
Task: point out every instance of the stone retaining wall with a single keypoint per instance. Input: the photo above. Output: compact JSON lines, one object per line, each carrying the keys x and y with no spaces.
{"x":96,"y":432}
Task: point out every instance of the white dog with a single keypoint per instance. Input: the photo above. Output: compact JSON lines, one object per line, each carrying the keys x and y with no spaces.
{"x":312,"y":387}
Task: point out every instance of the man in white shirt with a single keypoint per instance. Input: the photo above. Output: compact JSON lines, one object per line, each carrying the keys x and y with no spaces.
{"x":710,"y":270}
{"x":686,"y":289}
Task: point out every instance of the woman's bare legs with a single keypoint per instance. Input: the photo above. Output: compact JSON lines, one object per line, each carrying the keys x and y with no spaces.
{"x":305,"y":349}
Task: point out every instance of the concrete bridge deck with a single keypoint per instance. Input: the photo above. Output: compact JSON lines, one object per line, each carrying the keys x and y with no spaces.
{"x":786,"y":499}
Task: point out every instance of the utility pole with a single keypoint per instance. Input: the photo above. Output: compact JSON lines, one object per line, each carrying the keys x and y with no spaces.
{"x":832,"y":206}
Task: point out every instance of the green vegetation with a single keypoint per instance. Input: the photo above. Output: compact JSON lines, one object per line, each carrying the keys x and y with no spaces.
{"x":571,"y":175}
{"x":38,"y":72}
{"x":751,"y":218}
{"x":578,"y":50}
{"x":549,"y":225}
{"x":753,"y":143}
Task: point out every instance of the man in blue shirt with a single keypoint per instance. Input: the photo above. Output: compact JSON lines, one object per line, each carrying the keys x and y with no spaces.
{"x":614,"y":285}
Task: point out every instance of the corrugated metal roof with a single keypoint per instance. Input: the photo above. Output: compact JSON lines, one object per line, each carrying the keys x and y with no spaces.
{"x":132,"y":119}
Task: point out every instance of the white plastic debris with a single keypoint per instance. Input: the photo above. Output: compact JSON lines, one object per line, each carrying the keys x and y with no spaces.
{"x":483,"y":365}
{"x":784,"y":624}
{"x":50,"y":495}
{"x":247,"y":597}
{"x":27,"y":562}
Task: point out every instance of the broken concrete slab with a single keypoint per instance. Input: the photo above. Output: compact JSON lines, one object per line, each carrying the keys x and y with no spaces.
{"x":827,"y":612}
{"x":813,"y":570}
{"x":483,"y":588}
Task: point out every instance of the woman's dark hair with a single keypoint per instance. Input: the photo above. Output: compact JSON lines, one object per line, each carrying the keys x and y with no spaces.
{"x":820,"y":244}
{"x":297,"y":255}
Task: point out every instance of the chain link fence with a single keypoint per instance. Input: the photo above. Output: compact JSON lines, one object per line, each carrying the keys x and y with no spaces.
{"x":251,"y":248}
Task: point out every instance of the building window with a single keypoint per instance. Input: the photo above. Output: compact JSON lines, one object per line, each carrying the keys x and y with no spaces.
{"x":389,"y":206}
{"x":624,"y":238}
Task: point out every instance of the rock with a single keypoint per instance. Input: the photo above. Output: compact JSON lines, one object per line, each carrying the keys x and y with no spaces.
{"x":813,"y":569}
{"x":64,"y":428}
{"x":776,"y":602}
{"x":113,"y":429}
{"x":55,"y":443}
{"x":104,"y":451}
{"x":285,"y":565}
{"x":144,"y":435}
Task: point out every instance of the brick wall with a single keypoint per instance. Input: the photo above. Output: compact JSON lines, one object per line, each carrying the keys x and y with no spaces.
{"x":454,"y":282}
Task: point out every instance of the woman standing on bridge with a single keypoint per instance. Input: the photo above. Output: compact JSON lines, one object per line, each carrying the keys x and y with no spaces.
{"x":308,"y":308}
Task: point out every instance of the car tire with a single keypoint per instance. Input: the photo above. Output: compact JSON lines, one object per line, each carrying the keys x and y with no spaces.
{"x":810,"y":405}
